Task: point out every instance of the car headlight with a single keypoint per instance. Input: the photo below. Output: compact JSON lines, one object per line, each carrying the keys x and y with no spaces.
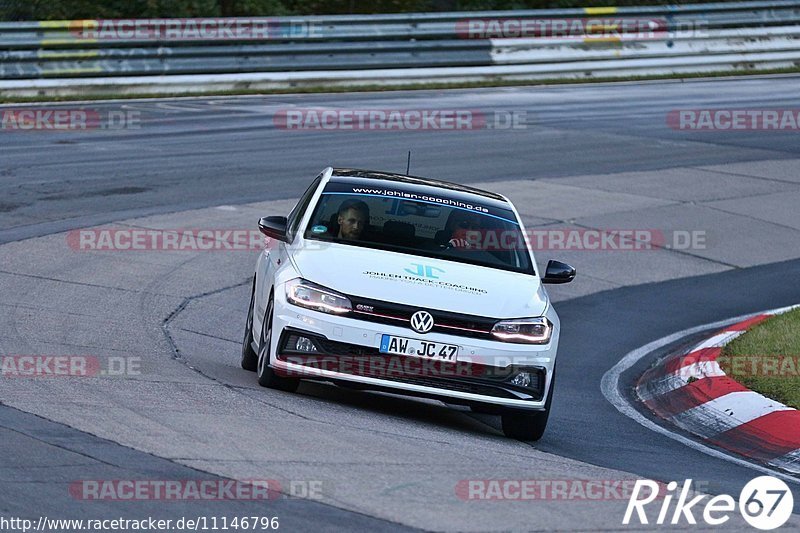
{"x":524,"y":330}
{"x":312,"y":296}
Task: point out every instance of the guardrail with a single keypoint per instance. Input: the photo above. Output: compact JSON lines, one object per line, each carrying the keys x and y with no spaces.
{"x":122,"y":56}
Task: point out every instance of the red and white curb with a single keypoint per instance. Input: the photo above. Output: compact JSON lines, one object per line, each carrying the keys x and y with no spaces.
{"x":691,"y":391}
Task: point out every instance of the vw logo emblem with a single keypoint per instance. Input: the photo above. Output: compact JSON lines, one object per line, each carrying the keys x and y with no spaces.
{"x":421,"y":322}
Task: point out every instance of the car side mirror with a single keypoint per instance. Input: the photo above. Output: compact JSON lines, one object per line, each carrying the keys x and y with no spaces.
{"x":274,"y":227}
{"x":558,"y":272}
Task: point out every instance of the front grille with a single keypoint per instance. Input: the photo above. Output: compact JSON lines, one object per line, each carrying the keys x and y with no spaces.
{"x":366,"y":361}
{"x":444,"y":321}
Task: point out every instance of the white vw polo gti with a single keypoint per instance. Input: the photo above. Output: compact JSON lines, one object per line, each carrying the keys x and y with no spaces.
{"x":395,"y":283}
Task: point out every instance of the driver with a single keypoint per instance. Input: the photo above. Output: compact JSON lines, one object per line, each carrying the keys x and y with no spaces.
{"x":353,"y":219}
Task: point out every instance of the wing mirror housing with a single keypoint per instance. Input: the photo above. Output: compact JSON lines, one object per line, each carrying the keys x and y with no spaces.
{"x":558,"y":272}
{"x":274,"y":228}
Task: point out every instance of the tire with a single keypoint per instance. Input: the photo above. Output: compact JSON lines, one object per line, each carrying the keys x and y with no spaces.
{"x":266,"y":375}
{"x":528,"y":426}
{"x":249,"y":356}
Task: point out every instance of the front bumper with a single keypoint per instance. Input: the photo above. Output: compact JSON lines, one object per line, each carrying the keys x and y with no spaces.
{"x":348,"y":353}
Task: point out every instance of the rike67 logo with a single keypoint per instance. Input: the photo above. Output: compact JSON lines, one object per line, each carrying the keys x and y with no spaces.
{"x":765,"y":503}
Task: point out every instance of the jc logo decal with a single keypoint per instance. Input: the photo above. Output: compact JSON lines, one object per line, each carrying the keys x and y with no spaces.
{"x":424,"y":271}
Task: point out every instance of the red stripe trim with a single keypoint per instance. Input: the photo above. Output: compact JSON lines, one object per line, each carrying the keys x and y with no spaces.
{"x":709,"y":354}
{"x":693,"y":394}
{"x":764,"y":438}
{"x":747,"y":324}
{"x":706,"y":354}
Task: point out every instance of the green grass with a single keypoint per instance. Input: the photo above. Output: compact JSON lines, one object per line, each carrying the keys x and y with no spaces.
{"x":766,"y":359}
{"x":4,"y":99}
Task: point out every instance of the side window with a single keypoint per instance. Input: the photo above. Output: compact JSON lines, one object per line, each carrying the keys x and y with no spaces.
{"x":297,"y":213}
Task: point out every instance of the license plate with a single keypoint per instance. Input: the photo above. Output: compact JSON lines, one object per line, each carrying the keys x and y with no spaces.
{"x":418,"y":348}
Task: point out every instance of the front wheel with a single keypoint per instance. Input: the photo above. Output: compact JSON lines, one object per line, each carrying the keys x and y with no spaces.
{"x":528,"y":426}
{"x":266,"y":375}
{"x":249,"y":356}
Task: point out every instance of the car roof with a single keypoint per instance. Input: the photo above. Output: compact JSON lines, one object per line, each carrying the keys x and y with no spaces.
{"x":372,"y":177}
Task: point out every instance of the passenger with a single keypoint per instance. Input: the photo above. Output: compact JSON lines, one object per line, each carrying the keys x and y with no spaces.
{"x":353,"y":219}
{"x":464,"y":229}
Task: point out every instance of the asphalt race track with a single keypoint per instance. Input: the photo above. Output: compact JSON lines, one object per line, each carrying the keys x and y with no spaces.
{"x":584,"y":157}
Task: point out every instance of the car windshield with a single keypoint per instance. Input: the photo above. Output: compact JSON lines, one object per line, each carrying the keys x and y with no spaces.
{"x":439,"y":226}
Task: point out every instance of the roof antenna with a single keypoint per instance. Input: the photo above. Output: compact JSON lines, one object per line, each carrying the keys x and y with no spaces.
{"x":408,"y":164}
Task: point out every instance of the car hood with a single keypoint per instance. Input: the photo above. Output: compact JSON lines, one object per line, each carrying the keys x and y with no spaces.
{"x":421,"y":281}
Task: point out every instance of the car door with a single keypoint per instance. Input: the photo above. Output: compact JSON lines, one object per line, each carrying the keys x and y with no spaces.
{"x":276,"y":254}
